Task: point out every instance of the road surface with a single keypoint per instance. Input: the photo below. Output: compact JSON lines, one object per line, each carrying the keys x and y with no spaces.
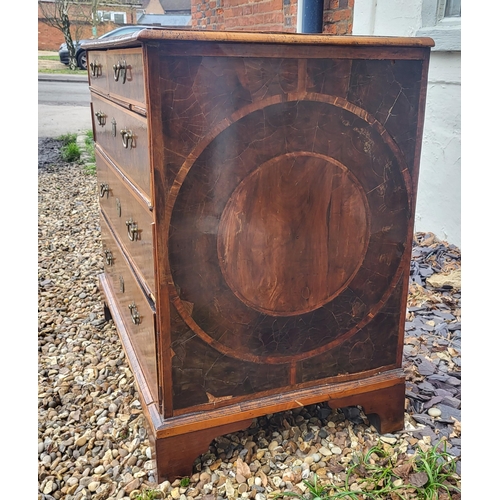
{"x":63,"y":105}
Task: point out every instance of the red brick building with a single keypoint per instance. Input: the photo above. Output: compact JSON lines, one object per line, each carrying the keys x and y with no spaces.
{"x":249,"y":15}
{"x":267,"y":15}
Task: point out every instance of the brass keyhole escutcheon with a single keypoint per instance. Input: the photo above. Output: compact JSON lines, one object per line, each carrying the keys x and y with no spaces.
{"x":136,"y":318}
{"x":132,"y":230}
{"x":104,"y":190}
{"x":122,"y":284}
{"x":118,"y":207}
{"x":109,"y":257}
{"x":113,"y":127}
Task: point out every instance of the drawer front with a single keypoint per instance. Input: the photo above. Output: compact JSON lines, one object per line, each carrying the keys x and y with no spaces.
{"x":135,"y":311}
{"x":98,"y":70}
{"x":126,"y":75}
{"x":124,"y":136}
{"x":131,"y":222}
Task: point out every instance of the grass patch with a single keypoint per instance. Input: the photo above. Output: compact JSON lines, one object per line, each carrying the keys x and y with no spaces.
{"x":440,"y":468}
{"x":63,"y":71}
{"x":67,"y":139}
{"x":90,"y":167}
{"x":148,"y":494}
{"x":71,"y":152}
{"x":428,"y":475}
{"x":89,"y":138}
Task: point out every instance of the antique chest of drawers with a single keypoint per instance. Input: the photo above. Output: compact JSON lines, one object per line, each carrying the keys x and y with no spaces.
{"x":257,"y":197}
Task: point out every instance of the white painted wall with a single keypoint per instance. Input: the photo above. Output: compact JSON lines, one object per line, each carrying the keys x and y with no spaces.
{"x":438,"y":202}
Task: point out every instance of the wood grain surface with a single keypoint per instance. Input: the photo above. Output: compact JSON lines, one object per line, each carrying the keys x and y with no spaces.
{"x":290,"y":190}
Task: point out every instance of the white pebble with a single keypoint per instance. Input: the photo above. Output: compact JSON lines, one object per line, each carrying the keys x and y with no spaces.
{"x":434,"y":412}
{"x":93,"y":486}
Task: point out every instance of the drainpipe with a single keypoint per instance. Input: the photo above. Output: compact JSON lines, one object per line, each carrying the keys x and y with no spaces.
{"x":310,"y":16}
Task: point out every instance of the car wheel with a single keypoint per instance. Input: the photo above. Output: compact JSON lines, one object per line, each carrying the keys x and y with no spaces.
{"x":82,"y":60}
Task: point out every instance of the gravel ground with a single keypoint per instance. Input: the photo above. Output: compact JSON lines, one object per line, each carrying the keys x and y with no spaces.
{"x":92,"y":440}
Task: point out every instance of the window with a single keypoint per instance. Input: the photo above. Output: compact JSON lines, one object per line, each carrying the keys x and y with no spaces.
{"x":119,"y":18}
{"x":441,"y":20}
{"x":452,"y":8}
{"x":116,"y":17}
{"x":104,"y":16}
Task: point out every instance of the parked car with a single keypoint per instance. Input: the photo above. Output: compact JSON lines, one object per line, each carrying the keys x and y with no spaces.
{"x":81,"y":55}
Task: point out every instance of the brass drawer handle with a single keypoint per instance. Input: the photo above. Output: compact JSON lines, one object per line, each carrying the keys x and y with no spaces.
{"x":126,"y":138}
{"x":95,"y":69}
{"x":136,"y":318}
{"x":101,"y":118}
{"x":132,"y":230}
{"x":109,"y":257}
{"x":119,"y":67}
{"x":104,"y":190}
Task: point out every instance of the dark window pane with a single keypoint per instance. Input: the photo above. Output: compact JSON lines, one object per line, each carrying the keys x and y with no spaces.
{"x":453,"y":8}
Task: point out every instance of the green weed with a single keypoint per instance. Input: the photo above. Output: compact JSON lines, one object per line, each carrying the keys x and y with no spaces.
{"x":90,"y":167}
{"x":71,"y":152}
{"x":440,"y":468}
{"x":149,"y":494}
{"x":430,"y":475}
{"x":315,"y":491}
{"x":67,"y":139}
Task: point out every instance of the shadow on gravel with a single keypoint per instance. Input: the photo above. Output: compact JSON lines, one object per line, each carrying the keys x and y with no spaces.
{"x":49,"y":152}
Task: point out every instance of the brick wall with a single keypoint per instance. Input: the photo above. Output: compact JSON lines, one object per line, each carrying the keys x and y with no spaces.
{"x":337,"y":17}
{"x":50,"y":38}
{"x":267,"y":15}
{"x":248,"y":15}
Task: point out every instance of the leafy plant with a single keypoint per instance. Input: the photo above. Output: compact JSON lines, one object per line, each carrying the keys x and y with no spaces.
{"x":316,"y":491}
{"x":90,"y":167}
{"x":70,"y":152}
{"x":184,"y":482}
{"x":149,"y":494}
{"x":124,"y":433}
{"x":67,"y":139}
{"x":440,"y":468}
{"x":430,"y":475}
